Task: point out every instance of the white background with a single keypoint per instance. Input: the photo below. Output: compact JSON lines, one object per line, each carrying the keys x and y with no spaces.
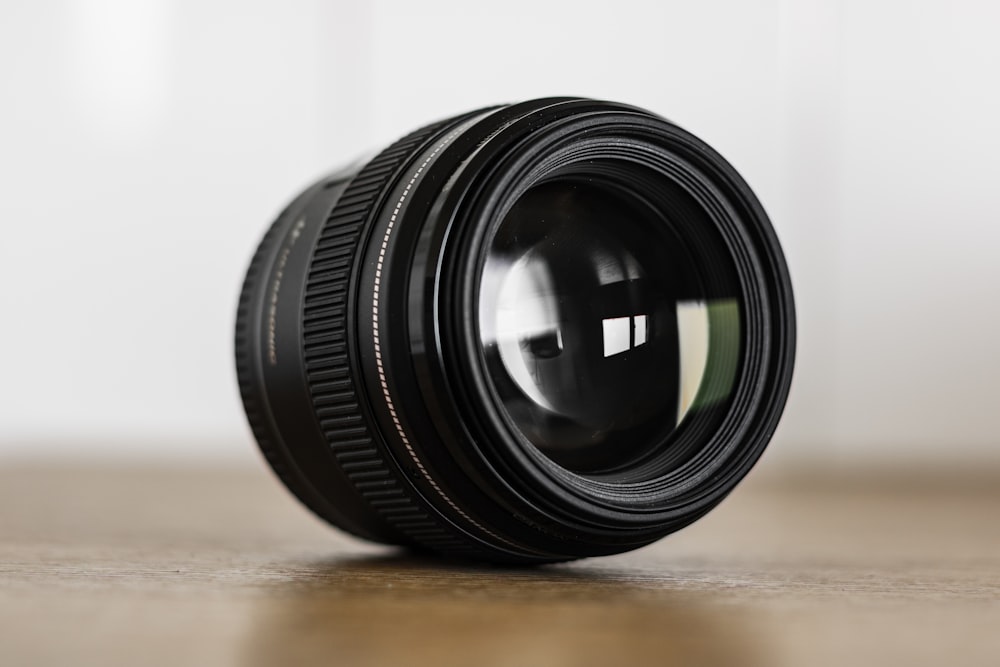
{"x":145,"y":145}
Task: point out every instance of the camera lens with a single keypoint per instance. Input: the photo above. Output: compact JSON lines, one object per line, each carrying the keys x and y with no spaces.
{"x":530,"y":333}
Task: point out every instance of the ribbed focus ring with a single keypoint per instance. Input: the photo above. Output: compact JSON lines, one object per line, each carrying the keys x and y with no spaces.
{"x":333,"y":388}
{"x":254,"y":402}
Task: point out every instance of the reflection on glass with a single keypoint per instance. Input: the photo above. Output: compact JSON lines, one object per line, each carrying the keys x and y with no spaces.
{"x":596,"y":338}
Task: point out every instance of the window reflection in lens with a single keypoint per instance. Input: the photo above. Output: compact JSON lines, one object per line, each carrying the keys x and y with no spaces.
{"x":596,"y":336}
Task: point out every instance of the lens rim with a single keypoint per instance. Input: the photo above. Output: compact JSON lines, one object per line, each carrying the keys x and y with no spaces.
{"x":478,"y":190}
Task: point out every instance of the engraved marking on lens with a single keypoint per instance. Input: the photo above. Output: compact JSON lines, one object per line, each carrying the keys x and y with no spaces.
{"x":378,"y":345}
{"x":272,"y":311}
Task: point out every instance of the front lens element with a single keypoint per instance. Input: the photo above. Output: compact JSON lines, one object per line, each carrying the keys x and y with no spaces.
{"x":594,"y":324}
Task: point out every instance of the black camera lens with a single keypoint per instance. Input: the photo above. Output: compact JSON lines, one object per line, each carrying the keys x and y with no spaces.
{"x":530,"y":333}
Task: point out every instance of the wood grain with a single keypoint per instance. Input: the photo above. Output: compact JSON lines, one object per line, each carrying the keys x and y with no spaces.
{"x":173,"y":566}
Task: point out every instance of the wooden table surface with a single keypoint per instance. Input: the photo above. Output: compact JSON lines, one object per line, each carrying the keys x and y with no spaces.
{"x":173,"y":566}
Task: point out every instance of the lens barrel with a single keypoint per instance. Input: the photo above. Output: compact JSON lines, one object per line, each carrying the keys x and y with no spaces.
{"x":530,"y":333}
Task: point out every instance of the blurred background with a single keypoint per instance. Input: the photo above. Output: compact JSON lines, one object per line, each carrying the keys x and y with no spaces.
{"x":145,"y":145}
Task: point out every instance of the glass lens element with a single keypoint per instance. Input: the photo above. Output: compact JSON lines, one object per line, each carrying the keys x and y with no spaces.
{"x":593,"y":326}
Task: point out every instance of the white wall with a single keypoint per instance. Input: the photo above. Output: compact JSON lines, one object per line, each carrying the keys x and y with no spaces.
{"x":145,"y":145}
